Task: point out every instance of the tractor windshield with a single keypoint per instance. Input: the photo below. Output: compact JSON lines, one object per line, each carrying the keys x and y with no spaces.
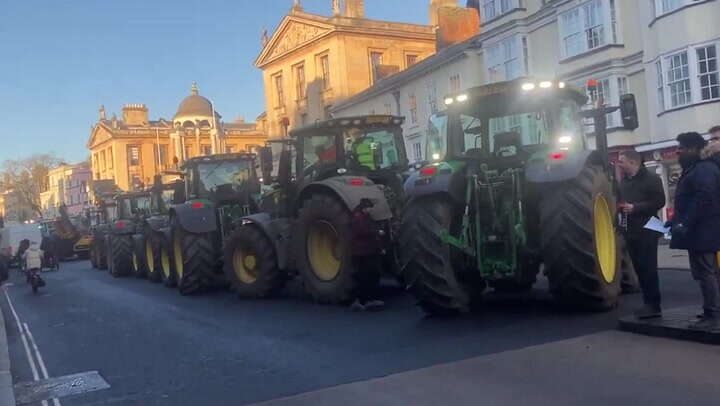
{"x":373,"y":149}
{"x":214,"y":174}
{"x":125,"y":208}
{"x":488,"y":128}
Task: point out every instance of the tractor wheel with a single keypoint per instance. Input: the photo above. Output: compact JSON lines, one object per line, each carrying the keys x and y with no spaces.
{"x":433,"y":268}
{"x":152,"y":258}
{"x":121,"y":255}
{"x":251,"y":264}
{"x":138,"y":261}
{"x":196,"y":260}
{"x":579,"y":244}
{"x":323,"y":250}
{"x":167,"y":267}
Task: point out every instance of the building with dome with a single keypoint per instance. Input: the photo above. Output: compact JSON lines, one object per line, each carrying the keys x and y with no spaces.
{"x":132,"y":149}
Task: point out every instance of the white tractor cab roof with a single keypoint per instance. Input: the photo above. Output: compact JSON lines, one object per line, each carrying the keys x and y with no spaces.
{"x":11,"y":235}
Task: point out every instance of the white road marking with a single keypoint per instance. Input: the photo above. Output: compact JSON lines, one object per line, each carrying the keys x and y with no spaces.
{"x":33,"y":368}
{"x":41,"y":363}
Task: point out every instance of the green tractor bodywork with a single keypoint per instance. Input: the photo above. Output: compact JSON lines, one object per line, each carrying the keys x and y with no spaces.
{"x":101,"y":216}
{"x":330,"y":208}
{"x":121,"y":258}
{"x":511,"y":185}
{"x":219,"y":190}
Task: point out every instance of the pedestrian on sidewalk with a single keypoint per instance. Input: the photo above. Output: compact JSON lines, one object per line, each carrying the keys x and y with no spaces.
{"x":642,"y":195}
{"x":697,"y":220}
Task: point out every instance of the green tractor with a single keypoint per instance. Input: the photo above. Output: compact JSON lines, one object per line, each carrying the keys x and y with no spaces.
{"x":330,"y":216}
{"x":101,"y":216}
{"x":121,"y":257}
{"x":218,"y":191}
{"x":512,"y":188}
{"x":149,"y":235}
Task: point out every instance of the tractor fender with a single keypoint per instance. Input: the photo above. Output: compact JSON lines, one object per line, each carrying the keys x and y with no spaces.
{"x":351,"y":194}
{"x":541,"y":169}
{"x":445,"y":181}
{"x":157,"y":222}
{"x":278,"y":231}
{"x":196,"y":219}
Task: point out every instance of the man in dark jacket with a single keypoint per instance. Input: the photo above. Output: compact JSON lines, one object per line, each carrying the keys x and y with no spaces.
{"x":697,"y":221}
{"x":641,"y":196}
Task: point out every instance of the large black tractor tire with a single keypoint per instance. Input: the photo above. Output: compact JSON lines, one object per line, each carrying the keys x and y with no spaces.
{"x":121,"y":255}
{"x":580,"y":247}
{"x":433,"y":269}
{"x":196,"y":260}
{"x":152,"y":257}
{"x":324,"y":252}
{"x":139,"y":270}
{"x":251,"y":264}
{"x":167,"y":264}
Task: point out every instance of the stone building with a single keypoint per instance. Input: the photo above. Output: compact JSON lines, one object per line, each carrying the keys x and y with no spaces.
{"x":663,"y":51}
{"x":312,"y":62}
{"x":14,"y":209}
{"x":131,"y":150}
{"x":67,"y":185}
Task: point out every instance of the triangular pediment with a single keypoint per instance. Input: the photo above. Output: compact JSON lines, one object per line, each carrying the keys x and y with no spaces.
{"x":98,"y":135}
{"x":293,"y":33}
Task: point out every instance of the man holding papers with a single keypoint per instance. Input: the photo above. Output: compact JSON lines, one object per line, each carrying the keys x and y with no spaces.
{"x":641,"y":196}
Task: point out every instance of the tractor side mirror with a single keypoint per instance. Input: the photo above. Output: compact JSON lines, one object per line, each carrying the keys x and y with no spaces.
{"x":628,"y":109}
{"x":266,"y":164}
{"x":179,"y":194}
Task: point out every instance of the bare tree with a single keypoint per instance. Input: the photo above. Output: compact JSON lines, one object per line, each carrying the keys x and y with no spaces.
{"x":28,"y":177}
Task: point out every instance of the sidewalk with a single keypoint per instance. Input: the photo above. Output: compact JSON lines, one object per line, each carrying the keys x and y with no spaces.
{"x":672,"y":259}
{"x":7,"y":394}
{"x":600,"y":369}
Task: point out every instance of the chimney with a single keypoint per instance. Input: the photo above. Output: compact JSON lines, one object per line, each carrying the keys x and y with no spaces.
{"x":435,"y":5}
{"x":455,"y":25}
{"x":355,"y":8}
{"x":135,"y":114}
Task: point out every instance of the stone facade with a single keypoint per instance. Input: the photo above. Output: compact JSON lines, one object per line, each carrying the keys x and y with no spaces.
{"x":67,"y":185}
{"x":313,"y":62}
{"x":133,"y":150}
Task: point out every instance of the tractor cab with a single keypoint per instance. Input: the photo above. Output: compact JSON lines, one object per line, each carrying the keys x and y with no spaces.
{"x":221,"y":178}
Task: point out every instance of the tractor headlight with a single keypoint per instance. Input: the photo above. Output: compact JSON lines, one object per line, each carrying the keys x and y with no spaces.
{"x":546,"y":84}
{"x":565,"y":139}
{"x":436,"y":156}
{"x":449,"y":100}
{"x":561,"y":85}
{"x":528,"y":86}
{"x":461,"y":98}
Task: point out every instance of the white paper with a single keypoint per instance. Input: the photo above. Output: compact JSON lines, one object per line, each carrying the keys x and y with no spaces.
{"x":655,"y":224}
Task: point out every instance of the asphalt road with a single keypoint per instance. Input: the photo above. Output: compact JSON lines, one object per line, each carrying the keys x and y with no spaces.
{"x":155,"y":347}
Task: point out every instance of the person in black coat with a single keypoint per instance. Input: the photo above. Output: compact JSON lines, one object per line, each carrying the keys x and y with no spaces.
{"x":641,"y":196}
{"x":696,"y":222}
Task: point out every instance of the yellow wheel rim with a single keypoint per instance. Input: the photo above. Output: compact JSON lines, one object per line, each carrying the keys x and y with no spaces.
{"x":177,"y":251}
{"x":245,"y":266}
{"x":605,"y":246}
{"x":323,"y":250}
{"x":150,"y":257}
{"x":165,"y":261}
{"x":135,"y":262}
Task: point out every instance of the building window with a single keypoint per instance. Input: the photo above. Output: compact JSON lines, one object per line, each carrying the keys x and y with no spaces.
{"x":417,"y":150}
{"x":163,"y":158}
{"x":678,"y":79}
{"x":103,"y":162}
{"x":610,"y":89}
{"x":325,"y":71}
{"x":300,"y":82}
{"x":133,"y":153}
{"x":188,"y":152}
{"x":455,"y":83}
{"x":585,"y":27}
{"x":504,"y":60}
{"x":376,"y":59}
{"x":668,"y":6}
{"x":110,"y":158}
{"x":413,"y":109}
{"x":495,"y":8}
{"x":279,"y":92}
{"x":388,"y":108}
{"x":708,"y":72}
{"x":229,"y":149}
{"x":410,"y":60}
{"x":206,"y":149}
{"x":660,"y":86}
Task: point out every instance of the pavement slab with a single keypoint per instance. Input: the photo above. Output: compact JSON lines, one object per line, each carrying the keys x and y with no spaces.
{"x":599,"y":369}
{"x":673,"y":324}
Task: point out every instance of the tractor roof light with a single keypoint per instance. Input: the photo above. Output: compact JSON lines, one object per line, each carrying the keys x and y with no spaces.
{"x":546,"y":84}
{"x":449,"y":101}
{"x":436,"y":156}
{"x":461,"y":98}
{"x":528,"y":86}
{"x":565,"y":139}
{"x":561,"y":85}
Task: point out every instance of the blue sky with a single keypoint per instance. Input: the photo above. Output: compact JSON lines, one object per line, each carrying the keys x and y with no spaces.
{"x":59,"y":60}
